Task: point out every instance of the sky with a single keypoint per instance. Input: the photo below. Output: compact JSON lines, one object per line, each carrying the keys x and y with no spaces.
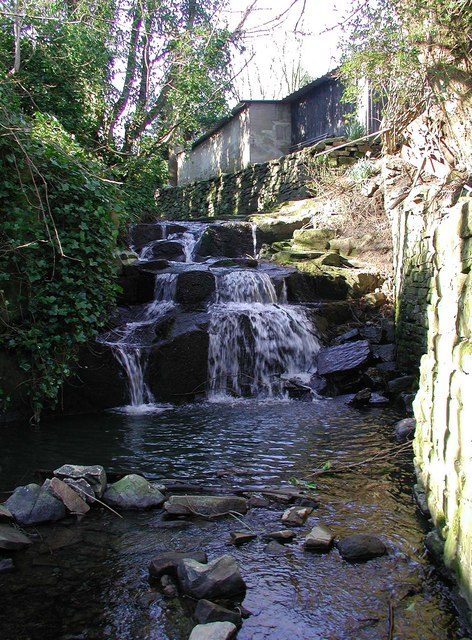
{"x":304,"y":42}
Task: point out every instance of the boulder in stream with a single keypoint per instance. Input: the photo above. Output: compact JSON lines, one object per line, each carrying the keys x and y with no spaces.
{"x":82,"y":487}
{"x":242,"y":537}
{"x":360,"y":547}
{"x":33,"y":504}
{"x":405,"y":429}
{"x":11,"y":539}
{"x":228,"y":239}
{"x":70,"y":498}
{"x":214,"y":631}
{"x":282,"y":536}
{"x":220,"y":578}
{"x":296,"y":516}
{"x":207,"y":506}
{"x":167,"y":250}
{"x":207,"y":611}
{"x":343,"y":358}
{"x":133,"y":492}
{"x":93,"y":474}
{"x":142,"y":234}
{"x":166,"y":563}
{"x":319,"y":539}
{"x":195,"y":288}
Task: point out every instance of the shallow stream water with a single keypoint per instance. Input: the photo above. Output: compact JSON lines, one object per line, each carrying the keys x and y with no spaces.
{"x":97,"y":586}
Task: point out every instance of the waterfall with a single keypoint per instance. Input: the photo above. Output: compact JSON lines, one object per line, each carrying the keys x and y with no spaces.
{"x":254,"y":239}
{"x":246,"y":286}
{"x":252,"y":345}
{"x":133,"y":362}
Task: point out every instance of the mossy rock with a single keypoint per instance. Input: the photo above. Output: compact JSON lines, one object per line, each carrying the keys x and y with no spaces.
{"x":314,"y":239}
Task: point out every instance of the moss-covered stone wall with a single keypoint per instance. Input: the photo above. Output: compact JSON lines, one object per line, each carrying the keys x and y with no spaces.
{"x":433,"y":256}
{"x":259,"y":186}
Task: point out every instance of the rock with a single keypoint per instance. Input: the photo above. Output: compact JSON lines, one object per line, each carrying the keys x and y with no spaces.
{"x":361,"y":546}
{"x":316,"y":239}
{"x":217,"y":579}
{"x":205,"y":505}
{"x":11,"y":539}
{"x":166,"y":250}
{"x":318,"y":384}
{"x":178,"y":368}
{"x":82,"y":487}
{"x":70,"y":498}
{"x":421,"y":500}
{"x":375,"y":299}
{"x":258,"y":502}
{"x":230,"y":239}
{"x":195,"y":288}
{"x":7,"y":566}
{"x":32,"y":504}
{"x":133,"y":492}
{"x":5,"y":514}
{"x":378,"y":400}
{"x":405,"y":429}
{"x":332,"y":259}
{"x":347,"y":336}
{"x":403,"y":383}
{"x":207,"y":611}
{"x":166,"y":562}
{"x":236,"y":262}
{"x":306,"y":287}
{"x":372,"y":333}
{"x":344,"y":357}
{"x":389,"y":369}
{"x":137,"y":285}
{"x":296,"y":516}
{"x":274,"y":548}
{"x":435,"y":546}
{"x":280,"y":225}
{"x":296,"y":390}
{"x":168,"y":587}
{"x":94,"y":474}
{"x":388,"y":330}
{"x":320,"y":538}
{"x":282,"y":536}
{"x":374,"y":378}
{"x":142,"y":234}
{"x":242,"y":537}
{"x":214,"y":631}
{"x":361,"y":398}
{"x":344,"y":246}
{"x":385,"y":352}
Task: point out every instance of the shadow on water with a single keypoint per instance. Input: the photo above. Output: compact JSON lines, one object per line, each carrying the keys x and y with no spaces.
{"x":89,"y":579}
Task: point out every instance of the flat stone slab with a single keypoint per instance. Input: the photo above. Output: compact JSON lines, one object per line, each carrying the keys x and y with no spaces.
{"x":70,"y":498}
{"x":206,"y":506}
{"x":242,"y":537}
{"x":5,"y":514}
{"x":11,"y":539}
{"x":133,"y":492}
{"x":284,"y":535}
{"x":320,"y":538}
{"x":94,"y":474}
{"x":214,"y":631}
{"x":32,"y":504}
{"x":166,"y":562}
{"x":360,"y":547}
{"x":207,"y":611}
{"x":343,"y":357}
{"x":217,"y":579}
{"x":296,"y":516}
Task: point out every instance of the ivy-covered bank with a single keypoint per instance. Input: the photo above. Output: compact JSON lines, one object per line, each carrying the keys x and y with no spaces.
{"x":260,"y":186}
{"x":60,"y":220}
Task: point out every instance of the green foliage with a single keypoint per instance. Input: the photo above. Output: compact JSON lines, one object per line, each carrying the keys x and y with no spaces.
{"x":58,"y":235}
{"x":361,"y":171}
{"x":410,"y":51}
{"x":354,"y":129}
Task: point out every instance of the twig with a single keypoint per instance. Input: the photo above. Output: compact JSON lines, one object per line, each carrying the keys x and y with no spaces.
{"x":391,"y":620}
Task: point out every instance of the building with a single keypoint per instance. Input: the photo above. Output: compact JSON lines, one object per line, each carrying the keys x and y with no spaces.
{"x":260,"y":130}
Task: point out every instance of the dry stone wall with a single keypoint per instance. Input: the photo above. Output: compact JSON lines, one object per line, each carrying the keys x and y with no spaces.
{"x":259,"y":186}
{"x":433,"y":256}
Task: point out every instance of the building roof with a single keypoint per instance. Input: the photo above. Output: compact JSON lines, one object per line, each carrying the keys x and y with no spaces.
{"x":331,"y":75}
{"x":223,"y":121}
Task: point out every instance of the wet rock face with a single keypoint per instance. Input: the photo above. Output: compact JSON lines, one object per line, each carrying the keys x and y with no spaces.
{"x":93,"y":474}
{"x":32,"y":504}
{"x":137,"y":285}
{"x":167,"y":250}
{"x":360,"y":547}
{"x":195,"y":288}
{"x":343,"y":358}
{"x":70,"y":498}
{"x":217,"y":579}
{"x":319,"y":539}
{"x":178,"y":369}
{"x":207,"y":611}
{"x":229,"y":240}
{"x":133,"y":492}
{"x":142,"y":234}
{"x":304,"y":287}
{"x":214,"y":631}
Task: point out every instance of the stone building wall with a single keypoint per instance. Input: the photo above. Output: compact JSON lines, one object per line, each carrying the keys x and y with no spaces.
{"x":432,"y":240}
{"x":256,"y":188}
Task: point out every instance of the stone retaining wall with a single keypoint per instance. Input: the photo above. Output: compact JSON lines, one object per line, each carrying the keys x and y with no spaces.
{"x":258,"y":187}
{"x":433,"y":256}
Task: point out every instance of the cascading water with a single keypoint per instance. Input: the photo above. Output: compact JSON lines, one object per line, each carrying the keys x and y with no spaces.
{"x":254,"y":239}
{"x":254,"y":340}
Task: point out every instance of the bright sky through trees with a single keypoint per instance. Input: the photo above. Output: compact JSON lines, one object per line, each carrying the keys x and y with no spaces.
{"x":286,"y":40}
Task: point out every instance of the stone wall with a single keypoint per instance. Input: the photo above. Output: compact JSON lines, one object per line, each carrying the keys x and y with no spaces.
{"x":256,"y":188}
{"x":432,"y":237}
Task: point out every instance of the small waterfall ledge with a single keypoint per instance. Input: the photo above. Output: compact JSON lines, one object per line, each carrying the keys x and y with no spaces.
{"x":217,"y":327}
